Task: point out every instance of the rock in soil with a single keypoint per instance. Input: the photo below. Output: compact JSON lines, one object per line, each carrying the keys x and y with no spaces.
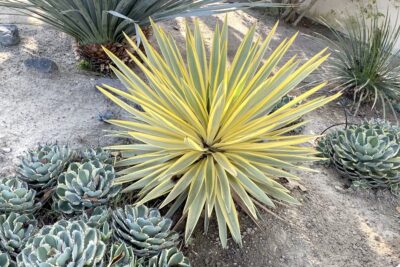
{"x":41,"y":65}
{"x":5,"y":150}
{"x":9,"y":35}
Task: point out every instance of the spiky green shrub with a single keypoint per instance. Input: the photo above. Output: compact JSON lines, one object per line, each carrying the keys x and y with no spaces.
{"x":15,"y":229}
{"x":169,"y":257}
{"x":364,"y":60}
{"x":208,"y":139}
{"x":368,"y":154}
{"x":102,"y":22}
{"x":99,"y":154}
{"x":144,"y":229}
{"x":41,"y":166}
{"x":16,"y":196}
{"x":72,"y":244}
{"x":90,"y":21}
{"x":85,"y":186}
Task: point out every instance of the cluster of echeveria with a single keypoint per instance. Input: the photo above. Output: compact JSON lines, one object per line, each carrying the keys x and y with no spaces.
{"x":80,"y":186}
{"x":368,"y":154}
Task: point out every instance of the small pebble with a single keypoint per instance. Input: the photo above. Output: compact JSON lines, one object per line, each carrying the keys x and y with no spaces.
{"x":6,"y":150}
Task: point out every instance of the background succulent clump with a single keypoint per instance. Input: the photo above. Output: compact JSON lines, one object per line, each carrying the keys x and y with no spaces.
{"x":169,"y":257}
{"x":297,"y":126}
{"x":41,"y":166}
{"x":121,"y":255}
{"x":66,"y":243}
{"x":15,"y":229}
{"x":16,"y":196}
{"x":83,"y":186}
{"x":99,"y":154}
{"x":98,"y":218}
{"x":368,"y":154}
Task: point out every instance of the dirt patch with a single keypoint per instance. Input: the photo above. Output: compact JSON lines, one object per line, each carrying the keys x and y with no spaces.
{"x":334,"y":226}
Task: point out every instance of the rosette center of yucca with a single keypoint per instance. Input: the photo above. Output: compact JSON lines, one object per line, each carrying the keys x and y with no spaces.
{"x":209,"y":148}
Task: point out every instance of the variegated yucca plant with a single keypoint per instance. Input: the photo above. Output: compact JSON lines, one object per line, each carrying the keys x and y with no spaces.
{"x":208,"y":141}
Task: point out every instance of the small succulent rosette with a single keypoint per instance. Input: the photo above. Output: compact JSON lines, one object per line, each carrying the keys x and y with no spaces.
{"x":85,"y":186}
{"x":144,"y":229}
{"x":15,"y":196}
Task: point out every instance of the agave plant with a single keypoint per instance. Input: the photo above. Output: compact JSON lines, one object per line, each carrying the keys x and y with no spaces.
{"x":367,"y":154}
{"x":85,"y":186}
{"x":15,"y":229}
{"x":72,"y":244}
{"x":16,"y":196}
{"x":144,"y":229}
{"x":169,"y":257}
{"x":208,"y":138}
{"x":41,"y":166}
{"x":364,"y":60}
{"x":92,"y":24}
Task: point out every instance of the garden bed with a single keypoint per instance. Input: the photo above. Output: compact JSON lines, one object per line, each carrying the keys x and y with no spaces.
{"x":334,"y":226}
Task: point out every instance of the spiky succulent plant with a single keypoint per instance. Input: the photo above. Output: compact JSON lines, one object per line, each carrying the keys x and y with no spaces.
{"x":66,"y":243}
{"x":41,"y":167}
{"x":365,"y":59}
{"x":102,"y":22}
{"x":15,"y":229}
{"x":16,"y":196}
{"x":169,"y":258}
{"x":144,"y":229}
{"x":85,"y":186}
{"x":207,"y":137}
{"x":104,"y":156}
{"x":368,"y":154}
